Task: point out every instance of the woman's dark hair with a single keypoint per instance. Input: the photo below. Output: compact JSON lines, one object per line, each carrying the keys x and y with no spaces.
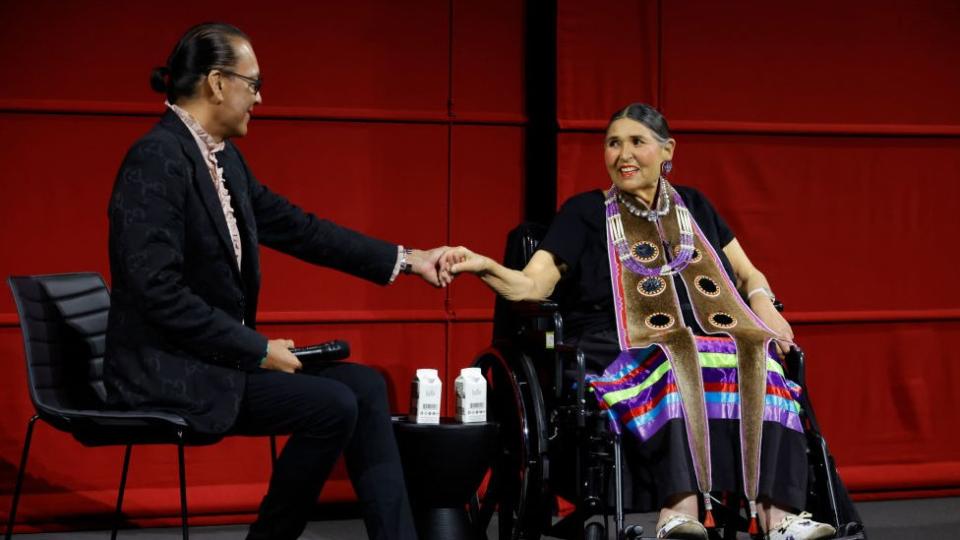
{"x":202,"y":48}
{"x":646,"y":115}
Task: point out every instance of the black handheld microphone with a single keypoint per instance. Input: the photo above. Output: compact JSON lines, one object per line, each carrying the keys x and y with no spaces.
{"x":327,"y":351}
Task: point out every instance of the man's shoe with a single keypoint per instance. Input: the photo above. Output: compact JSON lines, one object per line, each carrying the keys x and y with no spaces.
{"x":801,"y":527}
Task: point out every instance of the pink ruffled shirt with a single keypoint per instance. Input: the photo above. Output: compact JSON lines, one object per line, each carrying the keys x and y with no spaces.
{"x":208,"y":149}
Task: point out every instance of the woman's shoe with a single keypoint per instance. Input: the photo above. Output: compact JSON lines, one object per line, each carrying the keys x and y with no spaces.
{"x":800,"y":527}
{"x":683,"y":527}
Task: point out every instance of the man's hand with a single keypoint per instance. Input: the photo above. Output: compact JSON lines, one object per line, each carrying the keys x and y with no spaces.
{"x":279,"y":357}
{"x":426,"y":265}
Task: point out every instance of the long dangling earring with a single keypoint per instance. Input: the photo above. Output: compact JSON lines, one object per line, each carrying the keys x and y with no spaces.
{"x":666,"y":167}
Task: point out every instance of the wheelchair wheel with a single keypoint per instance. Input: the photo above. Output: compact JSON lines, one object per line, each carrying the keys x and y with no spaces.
{"x":514,"y":489}
{"x":594,"y":531}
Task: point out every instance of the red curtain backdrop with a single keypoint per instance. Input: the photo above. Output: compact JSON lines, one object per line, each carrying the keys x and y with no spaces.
{"x":826,"y":135}
{"x":403,"y":120}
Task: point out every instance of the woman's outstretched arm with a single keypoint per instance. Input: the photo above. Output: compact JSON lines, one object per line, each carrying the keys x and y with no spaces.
{"x":535,"y":282}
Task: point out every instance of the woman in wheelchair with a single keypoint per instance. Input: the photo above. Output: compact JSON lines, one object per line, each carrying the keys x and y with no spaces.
{"x":681,"y":328}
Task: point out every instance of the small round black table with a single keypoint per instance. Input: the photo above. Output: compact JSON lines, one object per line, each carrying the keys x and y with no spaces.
{"x":443,"y":465}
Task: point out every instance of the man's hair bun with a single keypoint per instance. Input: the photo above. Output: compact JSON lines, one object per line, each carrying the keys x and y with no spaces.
{"x":158,"y":79}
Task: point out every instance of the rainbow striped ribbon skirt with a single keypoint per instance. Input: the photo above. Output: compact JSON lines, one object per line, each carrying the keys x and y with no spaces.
{"x":640,"y":393}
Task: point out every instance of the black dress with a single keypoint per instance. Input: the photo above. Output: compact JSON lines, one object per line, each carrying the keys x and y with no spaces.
{"x":661,"y":466}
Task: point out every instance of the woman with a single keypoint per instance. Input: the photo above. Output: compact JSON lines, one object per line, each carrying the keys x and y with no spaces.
{"x":632,"y":253}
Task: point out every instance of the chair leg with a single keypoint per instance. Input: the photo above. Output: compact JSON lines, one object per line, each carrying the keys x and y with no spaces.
{"x":23,"y":468}
{"x":118,"y":515}
{"x":183,"y":487}
{"x":273,"y":451}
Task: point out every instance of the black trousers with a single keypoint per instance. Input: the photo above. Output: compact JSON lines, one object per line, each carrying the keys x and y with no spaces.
{"x":338,"y":408}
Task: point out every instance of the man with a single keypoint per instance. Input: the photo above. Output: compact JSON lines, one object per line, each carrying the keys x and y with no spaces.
{"x":186,"y":220}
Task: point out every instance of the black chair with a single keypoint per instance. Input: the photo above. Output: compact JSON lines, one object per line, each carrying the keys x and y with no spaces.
{"x":63,"y":319}
{"x":556,"y":441}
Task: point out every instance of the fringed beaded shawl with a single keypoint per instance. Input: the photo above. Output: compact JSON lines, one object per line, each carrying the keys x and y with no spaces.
{"x":727,"y":375}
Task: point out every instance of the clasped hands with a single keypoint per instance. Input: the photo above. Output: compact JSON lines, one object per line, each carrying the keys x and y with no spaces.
{"x":438,"y":266}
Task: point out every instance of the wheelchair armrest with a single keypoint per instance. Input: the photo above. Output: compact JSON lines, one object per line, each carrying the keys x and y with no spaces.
{"x":534,"y":308}
{"x":795,"y":363}
{"x":581,"y":367}
{"x":541,"y":317}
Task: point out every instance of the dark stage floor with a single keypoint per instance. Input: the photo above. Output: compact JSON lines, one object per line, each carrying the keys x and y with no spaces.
{"x":928,"y":519}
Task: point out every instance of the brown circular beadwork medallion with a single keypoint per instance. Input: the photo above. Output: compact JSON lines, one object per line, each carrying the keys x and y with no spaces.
{"x":659,"y":321}
{"x":645,"y":251}
{"x":695,"y":258}
{"x":651,"y":286}
{"x":706,"y":286}
{"x":722,"y":319}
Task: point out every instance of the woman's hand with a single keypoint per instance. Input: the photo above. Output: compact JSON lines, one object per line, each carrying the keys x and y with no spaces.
{"x":460,"y":259}
{"x":750,"y":279}
{"x":763,"y":307}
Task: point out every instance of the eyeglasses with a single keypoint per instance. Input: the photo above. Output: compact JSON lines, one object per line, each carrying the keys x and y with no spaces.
{"x":253,"y":84}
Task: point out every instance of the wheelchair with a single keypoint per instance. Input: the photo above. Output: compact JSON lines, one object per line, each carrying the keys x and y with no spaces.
{"x":556,"y":442}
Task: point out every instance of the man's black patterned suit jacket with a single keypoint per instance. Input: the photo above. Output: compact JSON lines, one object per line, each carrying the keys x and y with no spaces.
{"x":181,"y":327}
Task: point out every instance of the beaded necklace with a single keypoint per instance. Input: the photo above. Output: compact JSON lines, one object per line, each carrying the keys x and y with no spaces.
{"x":615,"y":226}
{"x":663,"y":206}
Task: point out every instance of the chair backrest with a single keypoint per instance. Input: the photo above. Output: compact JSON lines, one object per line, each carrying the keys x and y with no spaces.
{"x":522,"y":243}
{"x":63,"y":318}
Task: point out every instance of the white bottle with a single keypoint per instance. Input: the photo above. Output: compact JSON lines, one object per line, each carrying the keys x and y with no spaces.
{"x":425,"y":395}
{"x":471,"y":390}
